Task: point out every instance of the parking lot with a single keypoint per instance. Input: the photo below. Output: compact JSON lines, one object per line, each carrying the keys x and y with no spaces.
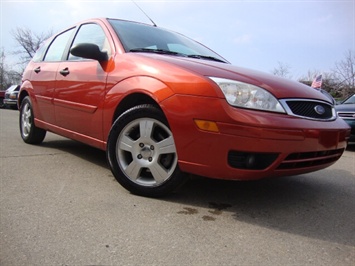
{"x":60,"y":205}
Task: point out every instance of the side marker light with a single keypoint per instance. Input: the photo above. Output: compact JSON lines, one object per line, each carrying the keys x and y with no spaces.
{"x":206,"y":125}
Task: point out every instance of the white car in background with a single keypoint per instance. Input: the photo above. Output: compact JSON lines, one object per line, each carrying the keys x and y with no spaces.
{"x":11,"y":94}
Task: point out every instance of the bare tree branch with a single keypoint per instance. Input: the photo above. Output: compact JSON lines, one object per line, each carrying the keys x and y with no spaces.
{"x":28,"y":42}
{"x":344,"y":72}
{"x":283,"y":70}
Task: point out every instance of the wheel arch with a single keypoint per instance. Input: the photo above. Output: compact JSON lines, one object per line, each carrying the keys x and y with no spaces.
{"x":25,"y":90}
{"x":132,"y":100}
{"x":132,"y":92}
{"x":21,"y":96}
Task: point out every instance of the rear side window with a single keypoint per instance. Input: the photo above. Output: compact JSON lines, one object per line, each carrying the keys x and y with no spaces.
{"x":91,"y":33}
{"x":57,"y":47}
{"x":40,"y":52}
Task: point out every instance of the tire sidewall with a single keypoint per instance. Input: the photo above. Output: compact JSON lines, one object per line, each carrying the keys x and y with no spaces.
{"x":36,"y":135}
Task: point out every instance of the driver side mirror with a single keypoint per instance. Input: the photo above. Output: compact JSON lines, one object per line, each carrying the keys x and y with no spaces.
{"x":89,"y":51}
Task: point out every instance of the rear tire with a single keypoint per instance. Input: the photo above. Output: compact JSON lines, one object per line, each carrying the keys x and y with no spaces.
{"x":29,"y":132}
{"x":142,"y":154}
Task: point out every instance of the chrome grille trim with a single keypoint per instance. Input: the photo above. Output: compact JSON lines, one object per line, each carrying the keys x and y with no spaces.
{"x":330,"y":111}
{"x":346,"y":115}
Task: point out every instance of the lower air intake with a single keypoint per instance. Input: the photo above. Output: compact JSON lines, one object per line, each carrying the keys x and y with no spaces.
{"x":309,"y":159}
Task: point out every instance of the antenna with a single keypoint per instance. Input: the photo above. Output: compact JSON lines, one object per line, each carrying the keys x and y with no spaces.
{"x":155,"y":25}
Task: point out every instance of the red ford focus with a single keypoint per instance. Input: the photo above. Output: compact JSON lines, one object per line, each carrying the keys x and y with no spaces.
{"x":163,"y":105}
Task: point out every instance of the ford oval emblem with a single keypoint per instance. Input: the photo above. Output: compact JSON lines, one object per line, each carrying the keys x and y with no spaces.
{"x":319,"y":109}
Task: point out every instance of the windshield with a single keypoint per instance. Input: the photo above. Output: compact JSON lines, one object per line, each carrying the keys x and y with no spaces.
{"x":350,"y":100}
{"x":137,"y":37}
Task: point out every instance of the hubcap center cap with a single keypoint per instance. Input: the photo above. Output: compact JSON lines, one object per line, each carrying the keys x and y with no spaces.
{"x":146,"y":152}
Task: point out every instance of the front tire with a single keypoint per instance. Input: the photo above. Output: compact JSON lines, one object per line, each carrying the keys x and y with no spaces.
{"x":141,"y":153}
{"x":29,"y":132}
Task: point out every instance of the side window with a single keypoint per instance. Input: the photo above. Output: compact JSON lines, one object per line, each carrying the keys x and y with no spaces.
{"x":40,"y":52}
{"x":57,"y":47}
{"x":91,"y":33}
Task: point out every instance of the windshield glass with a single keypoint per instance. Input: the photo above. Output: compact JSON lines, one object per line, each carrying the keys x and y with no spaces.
{"x":140,"y":37}
{"x":350,"y":100}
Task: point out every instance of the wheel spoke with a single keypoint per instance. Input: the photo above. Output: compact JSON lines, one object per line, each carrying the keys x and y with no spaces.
{"x":146,"y":128}
{"x":27,"y":128}
{"x":133,"y":170}
{"x":28,"y":112}
{"x":166,"y":146}
{"x":159,"y":173}
{"x":126,"y":144}
{"x":26,"y":120}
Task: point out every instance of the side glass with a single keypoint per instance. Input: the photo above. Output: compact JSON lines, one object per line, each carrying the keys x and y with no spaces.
{"x":40,"y":52}
{"x":91,"y":33}
{"x":57,"y":47}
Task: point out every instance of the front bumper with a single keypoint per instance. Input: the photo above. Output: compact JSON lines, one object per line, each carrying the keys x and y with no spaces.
{"x":351,"y":123}
{"x":251,"y":144}
{"x":10,"y":102}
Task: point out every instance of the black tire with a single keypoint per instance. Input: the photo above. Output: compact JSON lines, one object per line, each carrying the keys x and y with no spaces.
{"x":141,"y":153}
{"x":29,"y":132}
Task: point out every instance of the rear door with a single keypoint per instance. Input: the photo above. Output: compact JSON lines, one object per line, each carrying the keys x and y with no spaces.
{"x":44,"y":66}
{"x":80,"y":86}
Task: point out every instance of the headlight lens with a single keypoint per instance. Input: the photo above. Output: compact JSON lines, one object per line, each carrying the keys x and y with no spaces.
{"x":245,"y":95}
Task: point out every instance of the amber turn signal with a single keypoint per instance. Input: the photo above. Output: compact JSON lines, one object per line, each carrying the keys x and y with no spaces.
{"x":206,"y":125}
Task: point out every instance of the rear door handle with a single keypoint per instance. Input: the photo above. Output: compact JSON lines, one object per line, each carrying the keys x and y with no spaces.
{"x":64,"y":72}
{"x":37,"y":70}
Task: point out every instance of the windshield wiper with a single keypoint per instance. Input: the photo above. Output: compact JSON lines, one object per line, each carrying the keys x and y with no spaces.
{"x":157,"y":51}
{"x":198,"y":56}
{"x":167,"y":52}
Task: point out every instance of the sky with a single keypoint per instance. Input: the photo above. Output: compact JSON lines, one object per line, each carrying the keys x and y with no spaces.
{"x":304,"y":35}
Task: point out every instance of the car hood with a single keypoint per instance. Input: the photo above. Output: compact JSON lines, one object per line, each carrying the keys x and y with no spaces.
{"x":279,"y":87}
{"x":13,"y":88}
{"x":346,"y":107}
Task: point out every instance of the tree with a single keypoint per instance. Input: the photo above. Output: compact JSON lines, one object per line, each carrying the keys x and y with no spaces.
{"x":283,"y":70}
{"x":28,"y":42}
{"x":344,"y":72}
{"x":5,"y":81}
{"x":329,"y":83}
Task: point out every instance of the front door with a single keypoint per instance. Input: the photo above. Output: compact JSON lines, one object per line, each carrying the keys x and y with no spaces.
{"x":78,"y":97}
{"x":80,"y":87}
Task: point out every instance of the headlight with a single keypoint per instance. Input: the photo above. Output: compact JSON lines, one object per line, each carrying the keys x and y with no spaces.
{"x":245,"y":95}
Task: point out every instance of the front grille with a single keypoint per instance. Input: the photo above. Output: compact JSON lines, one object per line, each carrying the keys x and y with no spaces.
{"x":311,"y":109}
{"x":310,"y":159}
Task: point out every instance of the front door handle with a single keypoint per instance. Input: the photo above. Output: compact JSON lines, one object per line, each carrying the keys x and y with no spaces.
{"x":64,"y":72}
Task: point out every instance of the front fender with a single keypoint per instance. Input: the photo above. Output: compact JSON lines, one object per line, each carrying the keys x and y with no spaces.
{"x":151,"y":87}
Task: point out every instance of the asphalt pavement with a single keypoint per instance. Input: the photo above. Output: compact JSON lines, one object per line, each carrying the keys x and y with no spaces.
{"x":60,"y":205}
